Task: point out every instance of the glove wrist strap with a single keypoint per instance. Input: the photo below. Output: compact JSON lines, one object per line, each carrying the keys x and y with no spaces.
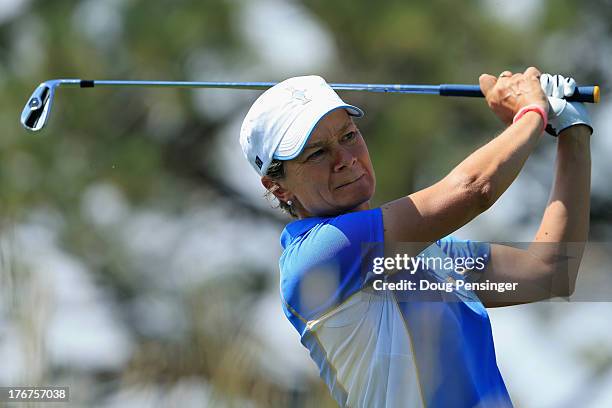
{"x":532,"y":108}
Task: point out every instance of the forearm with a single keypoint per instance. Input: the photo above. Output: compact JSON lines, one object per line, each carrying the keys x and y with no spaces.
{"x":478,"y":181}
{"x":566,"y":218}
{"x":564,"y":227}
{"x":494,"y":166}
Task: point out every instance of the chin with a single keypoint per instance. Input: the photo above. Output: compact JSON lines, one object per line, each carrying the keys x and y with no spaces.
{"x":363,"y":192}
{"x":357,"y":201}
{"x":354,"y":199}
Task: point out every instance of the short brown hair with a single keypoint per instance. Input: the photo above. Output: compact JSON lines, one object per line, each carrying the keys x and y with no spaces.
{"x":276,"y":171}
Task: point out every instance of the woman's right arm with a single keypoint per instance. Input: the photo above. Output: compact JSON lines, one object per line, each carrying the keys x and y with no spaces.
{"x":479,"y":180}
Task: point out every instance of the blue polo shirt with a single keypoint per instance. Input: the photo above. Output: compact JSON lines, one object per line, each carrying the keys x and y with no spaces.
{"x":387,"y":348}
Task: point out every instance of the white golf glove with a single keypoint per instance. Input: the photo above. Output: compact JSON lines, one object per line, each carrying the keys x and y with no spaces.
{"x":561,"y":113}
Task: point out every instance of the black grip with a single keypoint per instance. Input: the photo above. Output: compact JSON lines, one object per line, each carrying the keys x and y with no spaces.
{"x":589,"y":94}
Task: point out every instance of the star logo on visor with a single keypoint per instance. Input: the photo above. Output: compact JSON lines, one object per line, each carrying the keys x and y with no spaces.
{"x":300,"y":95}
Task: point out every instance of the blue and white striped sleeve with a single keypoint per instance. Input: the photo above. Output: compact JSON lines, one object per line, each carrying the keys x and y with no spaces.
{"x":479,"y":252}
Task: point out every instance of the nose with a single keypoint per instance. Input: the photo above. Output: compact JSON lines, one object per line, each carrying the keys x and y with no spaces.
{"x":344,"y":158}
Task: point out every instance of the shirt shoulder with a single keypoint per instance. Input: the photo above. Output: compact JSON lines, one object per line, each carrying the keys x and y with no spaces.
{"x":361,"y":224}
{"x":455,"y":247}
{"x":323,"y":258}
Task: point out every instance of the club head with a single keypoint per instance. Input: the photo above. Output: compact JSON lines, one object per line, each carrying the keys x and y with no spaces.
{"x":36,"y":112}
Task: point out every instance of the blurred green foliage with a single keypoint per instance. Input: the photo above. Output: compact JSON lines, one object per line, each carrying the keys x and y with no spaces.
{"x":106,"y":135}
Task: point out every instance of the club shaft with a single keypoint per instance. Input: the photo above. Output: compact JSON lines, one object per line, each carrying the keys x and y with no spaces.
{"x":417,"y":89}
{"x":36,"y":112}
{"x":582,"y":94}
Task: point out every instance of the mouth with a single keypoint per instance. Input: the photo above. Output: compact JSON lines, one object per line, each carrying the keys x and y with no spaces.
{"x":350,"y":182}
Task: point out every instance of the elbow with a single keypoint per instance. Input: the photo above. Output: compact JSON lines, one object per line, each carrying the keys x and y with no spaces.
{"x":563,"y":291}
{"x":562,"y":279}
{"x":571,"y":289}
{"x":486,"y":194}
{"x":478,"y":191}
{"x":568,"y":286}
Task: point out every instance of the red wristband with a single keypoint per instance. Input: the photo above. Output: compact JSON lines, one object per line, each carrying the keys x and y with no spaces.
{"x":532,"y":108}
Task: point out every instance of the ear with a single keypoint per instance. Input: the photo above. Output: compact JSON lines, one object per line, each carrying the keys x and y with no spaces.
{"x":276,"y":187}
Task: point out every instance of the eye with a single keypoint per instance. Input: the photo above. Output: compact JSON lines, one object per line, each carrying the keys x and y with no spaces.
{"x":314,"y":155}
{"x":349,"y":136}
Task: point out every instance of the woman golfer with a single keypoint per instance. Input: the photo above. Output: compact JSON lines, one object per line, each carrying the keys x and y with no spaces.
{"x":378,"y":339}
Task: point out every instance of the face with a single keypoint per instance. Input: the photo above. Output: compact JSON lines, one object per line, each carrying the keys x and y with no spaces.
{"x":333,"y":174}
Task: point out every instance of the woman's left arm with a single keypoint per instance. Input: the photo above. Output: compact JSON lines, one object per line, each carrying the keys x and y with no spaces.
{"x":549,"y":267}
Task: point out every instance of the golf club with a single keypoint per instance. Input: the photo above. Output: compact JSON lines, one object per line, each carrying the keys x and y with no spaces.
{"x":38,"y":108}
